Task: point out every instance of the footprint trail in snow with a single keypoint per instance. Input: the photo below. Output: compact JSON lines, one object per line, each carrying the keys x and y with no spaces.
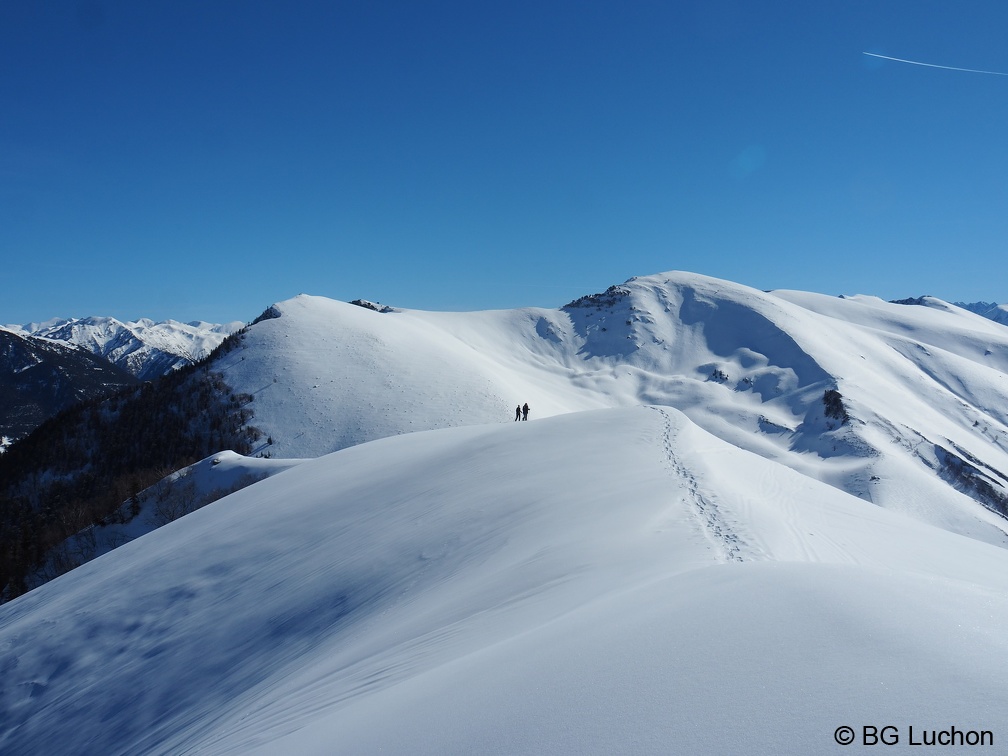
{"x":724,"y":538}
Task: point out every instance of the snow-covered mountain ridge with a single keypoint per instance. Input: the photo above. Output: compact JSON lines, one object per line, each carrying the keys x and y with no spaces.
{"x":924,"y":388}
{"x":142,"y":347}
{"x":717,"y":534}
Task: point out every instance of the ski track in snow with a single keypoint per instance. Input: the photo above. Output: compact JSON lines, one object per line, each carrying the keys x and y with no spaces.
{"x":727,"y":544}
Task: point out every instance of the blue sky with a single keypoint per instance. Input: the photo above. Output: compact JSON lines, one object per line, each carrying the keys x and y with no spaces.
{"x":199,"y":159}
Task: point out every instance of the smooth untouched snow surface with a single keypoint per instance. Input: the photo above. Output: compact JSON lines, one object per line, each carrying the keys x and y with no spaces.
{"x":618,"y":581}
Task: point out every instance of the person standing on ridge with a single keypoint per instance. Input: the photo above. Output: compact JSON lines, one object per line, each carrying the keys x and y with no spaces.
{"x":525,"y":410}
{"x":517,"y":413}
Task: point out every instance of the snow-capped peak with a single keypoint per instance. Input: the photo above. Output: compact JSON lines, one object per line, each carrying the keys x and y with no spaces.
{"x":144,"y":347}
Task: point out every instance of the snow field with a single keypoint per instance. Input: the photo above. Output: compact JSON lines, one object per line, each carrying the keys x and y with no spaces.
{"x":598,"y":581}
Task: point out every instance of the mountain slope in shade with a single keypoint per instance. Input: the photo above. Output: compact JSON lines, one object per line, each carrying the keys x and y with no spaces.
{"x":176,"y":495}
{"x":905,"y":406}
{"x":997,"y":313}
{"x":145,"y":348}
{"x":619,"y":581}
{"x":38,"y":378}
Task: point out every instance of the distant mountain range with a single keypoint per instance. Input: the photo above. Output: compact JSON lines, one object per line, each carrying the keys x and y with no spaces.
{"x":40,"y":377}
{"x":47,"y":367}
{"x":144,"y":348}
{"x":996,"y":312}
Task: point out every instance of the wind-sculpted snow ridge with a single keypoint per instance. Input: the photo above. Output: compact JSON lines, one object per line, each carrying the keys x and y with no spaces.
{"x":852,"y":391}
{"x":616,"y":581}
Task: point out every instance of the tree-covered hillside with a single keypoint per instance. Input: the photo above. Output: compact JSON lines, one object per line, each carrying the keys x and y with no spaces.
{"x":78,"y":468}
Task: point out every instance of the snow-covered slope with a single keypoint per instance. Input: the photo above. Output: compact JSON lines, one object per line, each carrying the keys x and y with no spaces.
{"x":619,"y":581}
{"x":924,"y":388}
{"x":145,"y":348}
{"x":175,"y":496}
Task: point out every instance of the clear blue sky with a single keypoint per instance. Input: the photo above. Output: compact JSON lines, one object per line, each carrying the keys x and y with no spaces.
{"x":199,"y":159}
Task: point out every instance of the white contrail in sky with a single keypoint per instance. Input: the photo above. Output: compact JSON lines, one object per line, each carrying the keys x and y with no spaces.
{"x":933,"y":65}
